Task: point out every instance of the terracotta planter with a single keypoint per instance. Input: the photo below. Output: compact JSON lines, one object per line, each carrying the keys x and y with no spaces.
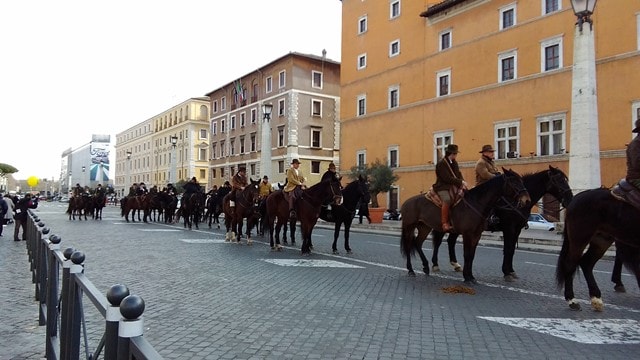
{"x":376,"y":215}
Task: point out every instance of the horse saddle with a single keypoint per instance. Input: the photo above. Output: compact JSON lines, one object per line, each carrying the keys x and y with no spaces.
{"x":455,"y":193}
{"x":627,"y":192}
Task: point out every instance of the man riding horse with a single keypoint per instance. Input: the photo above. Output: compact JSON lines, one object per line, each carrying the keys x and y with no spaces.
{"x":238,"y":183}
{"x":294,"y":187}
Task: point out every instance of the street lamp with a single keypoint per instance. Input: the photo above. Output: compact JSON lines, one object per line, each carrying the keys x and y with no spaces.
{"x":128,"y":166}
{"x":83,"y":176}
{"x":265,"y":143}
{"x":174,"y":161}
{"x":584,"y":156}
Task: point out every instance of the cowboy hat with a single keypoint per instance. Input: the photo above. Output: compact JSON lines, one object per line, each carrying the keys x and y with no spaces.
{"x":451,"y":149}
{"x":487,"y":148}
{"x":637,"y":128}
{"x":295,"y":161}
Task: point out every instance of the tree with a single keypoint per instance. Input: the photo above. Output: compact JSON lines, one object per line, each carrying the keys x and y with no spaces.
{"x":6,"y":169}
{"x":380,"y":175}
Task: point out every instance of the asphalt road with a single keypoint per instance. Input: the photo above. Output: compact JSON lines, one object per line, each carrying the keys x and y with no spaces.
{"x":208,"y":299}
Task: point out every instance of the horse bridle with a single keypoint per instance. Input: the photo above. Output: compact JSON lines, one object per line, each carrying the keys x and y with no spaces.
{"x":554,"y":180}
{"x":508,"y":204}
{"x":246,"y":200}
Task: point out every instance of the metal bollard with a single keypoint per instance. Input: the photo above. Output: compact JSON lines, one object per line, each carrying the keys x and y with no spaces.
{"x":131,"y":324}
{"x":52,"y":295}
{"x":115,"y":295}
{"x":64,"y":311}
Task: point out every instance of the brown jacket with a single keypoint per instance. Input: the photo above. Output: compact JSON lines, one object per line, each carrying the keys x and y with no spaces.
{"x":633,"y":159}
{"x":238,"y":181}
{"x":485,"y":170}
{"x":293,"y":179}
{"x":445,"y":177}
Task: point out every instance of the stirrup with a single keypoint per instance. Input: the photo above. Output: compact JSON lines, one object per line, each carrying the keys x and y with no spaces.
{"x":446,"y":227}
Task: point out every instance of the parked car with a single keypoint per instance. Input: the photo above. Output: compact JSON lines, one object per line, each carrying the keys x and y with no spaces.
{"x":538,"y":222}
{"x":391,"y":215}
{"x":63,"y":199}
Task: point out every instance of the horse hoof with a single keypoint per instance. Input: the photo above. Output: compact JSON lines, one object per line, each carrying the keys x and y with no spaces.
{"x":285,"y":242}
{"x":279,"y":247}
{"x":335,"y":252}
{"x":471,"y":281}
{"x":597,"y":304}
{"x":513,"y":275}
{"x":426,"y":271}
{"x":509,"y":278}
{"x":411,"y":273}
{"x":249,"y":243}
{"x":435,"y":268}
{"x":620,"y":289}
{"x":306,"y":254}
{"x":349,"y":251}
{"x":573,"y":305}
{"x":456,"y":267}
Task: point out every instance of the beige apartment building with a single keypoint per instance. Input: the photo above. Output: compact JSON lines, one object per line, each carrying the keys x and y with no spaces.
{"x":145,"y":151}
{"x":418,"y":75}
{"x":303,"y":91}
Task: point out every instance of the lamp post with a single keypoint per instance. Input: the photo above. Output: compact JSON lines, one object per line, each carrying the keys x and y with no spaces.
{"x":83,"y":180}
{"x":265,"y":143}
{"x":127,"y":178}
{"x":174,"y":161}
{"x":69,"y":185}
{"x":584,"y":156}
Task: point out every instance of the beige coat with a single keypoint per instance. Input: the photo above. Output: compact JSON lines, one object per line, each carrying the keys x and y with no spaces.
{"x":294,"y":178}
{"x":485,"y":170}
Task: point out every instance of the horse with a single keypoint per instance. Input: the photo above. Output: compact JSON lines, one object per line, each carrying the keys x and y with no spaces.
{"x":597,"y":219}
{"x":246,"y":201}
{"x":308,"y":207}
{"x":550,"y":181}
{"x":191,"y":208}
{"x":468,"y":217}
{"x":76,"y":207}
{"x":99,"y":202}
{"x":215,"y":206}
{"x":133,"y":203}
{"x":355,"y":192}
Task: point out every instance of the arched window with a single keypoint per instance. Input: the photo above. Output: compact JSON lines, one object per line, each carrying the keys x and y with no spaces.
{"x":203,"y":112}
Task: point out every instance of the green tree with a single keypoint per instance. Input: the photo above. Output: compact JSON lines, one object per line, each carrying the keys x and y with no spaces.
{"x":6,"y":169}
{"x":380,"y":175}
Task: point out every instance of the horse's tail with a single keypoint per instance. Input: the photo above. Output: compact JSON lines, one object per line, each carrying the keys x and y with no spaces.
{"x":562,"y":269}
{"x":407,"y":240}
{"x":123,"y":203}
{"x":69,"y":208}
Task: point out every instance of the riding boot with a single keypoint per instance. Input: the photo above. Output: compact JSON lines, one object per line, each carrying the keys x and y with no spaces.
{"x":292,"y":211}
{"x":446,"y":227}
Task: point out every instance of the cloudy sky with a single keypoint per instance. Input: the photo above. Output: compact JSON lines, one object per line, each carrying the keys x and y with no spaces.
{"x":73,"y":68}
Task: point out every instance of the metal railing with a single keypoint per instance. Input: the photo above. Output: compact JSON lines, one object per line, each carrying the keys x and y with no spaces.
{"x":61,"y":286}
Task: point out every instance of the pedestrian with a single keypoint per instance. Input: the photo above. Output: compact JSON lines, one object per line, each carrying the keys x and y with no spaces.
{"x":294,"y":186}
{"x":22,"y":207}
{"x":448,"y":177}
{"x":633,"y":158}
{"x":8,"y":217}
{"x":485,"y":167}
{"x":4,"y":208}
{"x":363,"y":210}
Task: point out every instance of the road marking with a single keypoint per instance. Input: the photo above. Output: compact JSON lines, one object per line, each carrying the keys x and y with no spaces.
{"x":592,"y":331}
{"x":203,"y":241}
{"x":311,"y":263}
{"x":129,"y":223}
{"x":160,"y":230}
{"x":595,"y":271}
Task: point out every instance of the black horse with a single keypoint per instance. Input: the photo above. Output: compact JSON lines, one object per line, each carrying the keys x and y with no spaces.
{"x":355,"y":192}
{"x":99,"y":202}
{"x":468,"y":217}
{"x":597,"y":219}
{"x":214,"y":206}
{"x":192,"y":206}
{"x":551,"y":181}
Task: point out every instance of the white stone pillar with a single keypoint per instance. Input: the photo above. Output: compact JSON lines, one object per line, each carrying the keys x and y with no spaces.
{"x":265,"y":148}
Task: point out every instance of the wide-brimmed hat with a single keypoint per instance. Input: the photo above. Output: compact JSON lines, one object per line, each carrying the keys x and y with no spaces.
{"x":451,"y":149}
{"x":265,"y":177}
{"x":242,"y":168}
{"x":295,"y":161}
{"x":332,"y":165}
{"x":637,"y":128}
{"x":487,"y":148}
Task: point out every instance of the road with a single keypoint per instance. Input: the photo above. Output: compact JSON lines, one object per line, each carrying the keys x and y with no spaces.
{"x":207,"y":299}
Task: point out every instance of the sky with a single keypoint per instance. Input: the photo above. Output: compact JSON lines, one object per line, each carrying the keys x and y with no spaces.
{"x":73,"y":68}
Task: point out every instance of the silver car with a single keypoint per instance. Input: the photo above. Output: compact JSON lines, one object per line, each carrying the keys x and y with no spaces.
{"x":537,"y":222}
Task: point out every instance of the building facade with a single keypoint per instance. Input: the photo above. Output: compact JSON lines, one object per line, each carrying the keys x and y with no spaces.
{"x":418,"y":75}
{"x":144,"y":152}
{"x":87,"y":165}
{"x":303,"y":91}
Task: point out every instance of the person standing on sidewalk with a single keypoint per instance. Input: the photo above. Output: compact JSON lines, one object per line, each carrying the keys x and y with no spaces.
{"x":8,"y":217}
{"x":3,"y":211}
{"x":22,"y":206}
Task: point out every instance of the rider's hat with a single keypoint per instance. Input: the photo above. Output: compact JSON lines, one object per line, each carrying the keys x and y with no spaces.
{"x":194,"y":179}
{"x":636,"y":129}
{"x":295,"y":161}
{"x":265,"y":177}
{"x":487,"y":148}
{"x":452,"y":149}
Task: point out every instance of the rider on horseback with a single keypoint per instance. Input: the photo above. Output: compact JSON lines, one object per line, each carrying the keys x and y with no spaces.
{"x":191,"y":187}
{"x":448,"y":176}
{"x":78,"y":190}
{"x":100,"y":190}
{"x":633,"y":158}
{"x":265,"y":187}
{"x":295,"y":184}
{"x":238,"y":183}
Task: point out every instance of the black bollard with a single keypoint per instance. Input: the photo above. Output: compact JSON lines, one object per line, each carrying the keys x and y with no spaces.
{"x":131,"y":324}
{"x":115,"y":295}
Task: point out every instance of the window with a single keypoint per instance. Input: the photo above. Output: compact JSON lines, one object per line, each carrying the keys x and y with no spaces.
{"x":551,"y":54}
{"x":213,"y":173}
{"x":282,"y":79}
{"x":445,"y":40}
{"x":241,"y":144}
{"x":507,"y":16}
{"x":213,"y":150}
{"x":393,"y":157}
{"x":223,"y":124}
{"x":223,"y":103}
{"x":221,"y":151}
{"x":222,"y":172}
{"x":394,"y":9}
{"x":281,"y":167}
{"x":202,"y":154}
{"x":233,"y":122}
{"x":362,"y":105}
{"x":243,"y":119}
{"x":281,"y":111}
{"x":232,"y":146}
{"x":441,"y":140}
{"x":215,"y":106}
{"x":214,"y":128}
{"x":253,"y":141}
{"x":635,"y":114}
{"x":394,"y":48}
{"x":362,"y":61}
{"x":507,"y":140}
{"x":443,"y":85}
{"x":203,"y":133}
{"x":268,"y":85}
{"x":507,"y":66}
{"x":252,"y":168}
{"x":361,"y":159}
{"x":550,"y":6}
{"x":551,"y":135}
{"x":315,"y":167}
{"x":254,"y":116}
{"x":394,"y":97}
{"x":203,"y":173}
{"x":316,"y":137}
{"x":280,"y":136}
{"x":316,"y":107}
{"x":316,"y":79}
{"x":362,"y":25}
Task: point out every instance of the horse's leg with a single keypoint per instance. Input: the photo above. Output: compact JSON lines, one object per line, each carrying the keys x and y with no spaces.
{"x":510,"y":235}
{"x":437,"y":241}
{"x":306,"y":239}
{"x":292,"y":233}
{"x":451,"y":243}
{"x":596,"y":250}
{"x":336,"y":234}
{"x":423,"y":232}
{"x":470,"y":242}
{"x":284,"y":233}
{"x":347,"y":227}
{"x":616,"y":274}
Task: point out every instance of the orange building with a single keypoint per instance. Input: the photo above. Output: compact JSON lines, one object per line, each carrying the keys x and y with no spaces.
{"x":418,"y":75}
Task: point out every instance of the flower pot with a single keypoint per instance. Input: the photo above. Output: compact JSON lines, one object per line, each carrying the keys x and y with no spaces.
{"x":376,"y":215}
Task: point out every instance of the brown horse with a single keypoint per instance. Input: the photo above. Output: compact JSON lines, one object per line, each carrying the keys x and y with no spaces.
{"x":307,"y":208}
{"x":129,"y":203}
{"x":77,"y":207}
{"x":468,"y":218}
{"x":246,"y":206}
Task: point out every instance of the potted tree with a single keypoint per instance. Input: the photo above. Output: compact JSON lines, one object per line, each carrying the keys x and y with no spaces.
{"x":381,"y":179}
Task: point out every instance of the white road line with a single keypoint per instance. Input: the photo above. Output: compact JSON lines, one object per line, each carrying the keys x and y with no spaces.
{"x":553,"y":266}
